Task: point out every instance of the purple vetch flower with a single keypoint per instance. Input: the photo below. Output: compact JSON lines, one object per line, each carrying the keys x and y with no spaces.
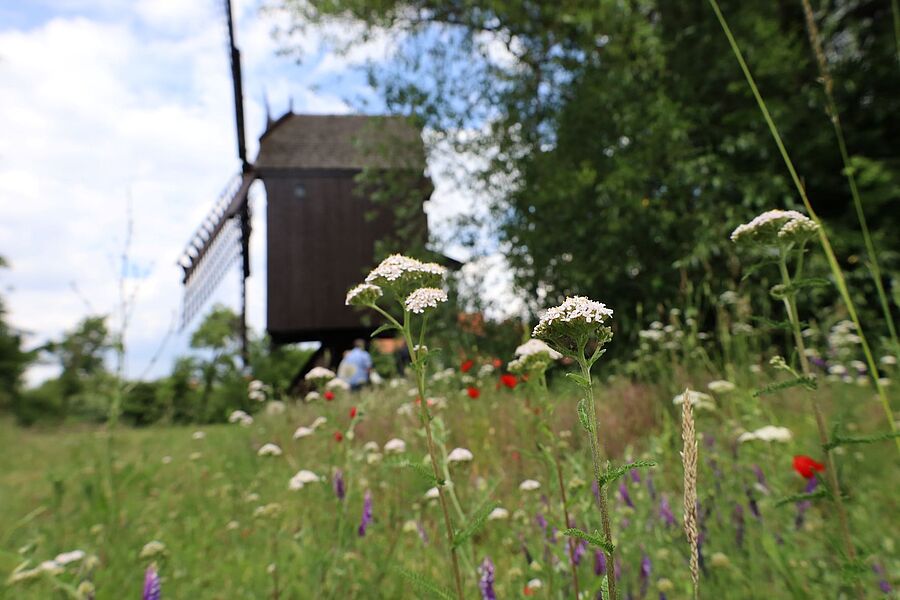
{"x":635,"y":475}
{"x":486,"y":583}
{"x":804,"y":505}
{"x":761,"y":478}
{"x":651,"y":489}
{"x":754,"y":507}
{"x":738,"y":517}
{"x":541,"y":521}
{"x":665,"y":511}
{"x":819,"y":362}
{"x":553,"y":533}
{"x":423,"y":535}
{"x":623,"y":492}
{"x":599,"y":562}
{"x":367,"y":514}
{"x":617,"y":569}
{"x":646,"y":566}
{"x":883,"y":583}
{"x":340,"y":489}
{"x":578,"y":552}
{"x":709,"y":441}
{"x":152,"y":588}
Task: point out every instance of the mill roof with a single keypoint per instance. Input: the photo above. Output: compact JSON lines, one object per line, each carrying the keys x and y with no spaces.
{"x":341,"y":142}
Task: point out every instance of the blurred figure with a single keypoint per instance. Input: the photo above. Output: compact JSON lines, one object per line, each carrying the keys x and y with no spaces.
{"x":356,"y":366}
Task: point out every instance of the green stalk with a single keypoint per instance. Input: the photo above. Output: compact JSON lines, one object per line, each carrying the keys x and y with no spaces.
{"x":823,"y":237}
{"x":835,"y":118}
{"x":593,"y":437}
{"x":790,"y":303}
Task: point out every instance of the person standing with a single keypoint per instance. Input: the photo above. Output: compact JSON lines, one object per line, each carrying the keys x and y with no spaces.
{"x":356,"y":366}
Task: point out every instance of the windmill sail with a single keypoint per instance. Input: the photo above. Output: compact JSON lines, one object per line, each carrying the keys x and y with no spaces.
{"x":217,"y":244}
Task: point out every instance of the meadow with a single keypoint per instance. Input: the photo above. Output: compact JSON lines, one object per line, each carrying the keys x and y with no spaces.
{"x":218,"y":520}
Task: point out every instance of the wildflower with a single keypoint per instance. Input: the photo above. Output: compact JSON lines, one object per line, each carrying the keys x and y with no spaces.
{"x":352,"y":412}
{"x":498,"y":514}
{"x":302,"y":432}
{"x":239,"y":416}
{"x":395,"y":446}
{"x":467,"y":365}
{"x":424,"y":298}
{"x":665,"y":511}
{"x":302,"y":478}
{"x":529,"y":485}
{"x":811,"y":484}
{"x":664,"y":585}
{"x":275,"y":407}
{"x":578,"y":553}
{"x":152,"y":588}
{"x":312,"y":396}
{"x":531,"y":586}
{"x":720,"y":386}
{"x":646,"y":567}
{"x":720,"y":559}
{"x":69,"y":557}
{"x":473,"y":392}
{"x":85,"y":590}
{"x":806,"y":466}
{"x":536,"y":347}
{"x":888,"y":360}
{"x":318,"y":422}
{"x":336,"y":384}
{"x":319,"y":375}
{"x":769,"y":433}
{"x":599,"y":563}
{"x":338,"y":484}
{"x":401,"y":273}
{"x":883,"y":583}
{"x":195,"y":455}
{"x":570,"y":324}
{"x":696,"y":400}
{"x":329,"y":395}
{"x":776,"y":226}
{"x":152,"y":548}
{"x":232,"y":525}
{"x":166,"y":460}
{"x":338,"y":436}
{"x":371,"y":446}
{"x":367,"y":514}
{"x":269,"y":449}
{"x":364,"y":294}
{"x":432,"y":494}
{"x":626,"y":498}
{"x":198,"y":435}
{"x":509,"y":380}
{"x":267,"y":511}
{"x":486,"y":583}
{"x":459,"y":455}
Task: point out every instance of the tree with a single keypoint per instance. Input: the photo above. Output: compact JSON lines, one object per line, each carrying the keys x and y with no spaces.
{"x":219,"y":337}
{"x":13,"y":358}
{"x":81,"y":354}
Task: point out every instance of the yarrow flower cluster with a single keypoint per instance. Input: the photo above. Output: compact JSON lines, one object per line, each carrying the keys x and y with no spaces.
{"x":459,"y":455}
{"x":533,"y":356}
{"x":239,"y":416}
{"x":423,"y":298}
{"x":769,"y":433}
{"x":319,"y":375}
{"x":403,"y":269}
{"x":301,"y":479}
{"x":364,"y":294}
{"x":696,"y":400}
{"x":776,"y":226}
{"x":569,"y":325}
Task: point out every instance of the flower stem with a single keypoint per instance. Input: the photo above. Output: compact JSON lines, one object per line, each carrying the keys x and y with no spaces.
{"x":790,"y":302}
{"x":565,"y":505}
{"x":593,"y":436}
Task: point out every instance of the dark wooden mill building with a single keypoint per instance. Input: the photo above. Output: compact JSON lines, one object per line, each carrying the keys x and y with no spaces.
{"x":322,"y":224}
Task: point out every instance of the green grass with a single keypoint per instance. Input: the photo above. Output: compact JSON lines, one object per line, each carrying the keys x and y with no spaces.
{"x":55,"y":496}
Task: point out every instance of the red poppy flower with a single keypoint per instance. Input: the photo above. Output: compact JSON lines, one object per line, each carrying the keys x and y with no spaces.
{"x":352,"y":412}
{"x":467,"y":365}
{"x":806,"y":466}
{"x":338,"y":436}
{"x":329,"y":395}
{"x":528,"y":591}
{"x":473,"y":392}
{"x":497,"y":363}
{"x":509,"y":380}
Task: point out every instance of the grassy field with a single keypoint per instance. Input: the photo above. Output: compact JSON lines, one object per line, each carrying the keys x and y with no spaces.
{"x":231,"y":528}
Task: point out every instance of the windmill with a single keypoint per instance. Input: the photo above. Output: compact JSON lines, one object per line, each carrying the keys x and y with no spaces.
{"x":322,"y":227}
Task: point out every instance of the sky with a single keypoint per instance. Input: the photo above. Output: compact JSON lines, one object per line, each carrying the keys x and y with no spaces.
{"x":114,"y":108}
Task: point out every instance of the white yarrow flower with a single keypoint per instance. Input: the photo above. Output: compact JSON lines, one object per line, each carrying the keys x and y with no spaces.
{"x":432,"y":494}
{"x":424,"y":298}
{"x":69,"y":557}
{"x":364,"y":293}
{"x":269,"y":449}
{"x":395,"y":446}
{"x":533,"y":346}
{"x":498,"y":513}
{"x":529,"y":485}
{"x":697,"y":400}
{"x":319,"y":373}
{"x":152,"y":548}
{"x":720,"y":386}
{"x":769,"y":433}
{"x":318,"y":422}
{"x":775,"y":224}
{"x":459,"y":455}
{"x":302,"y":478}
{"x":303,"y":432}
{"x":312,"y":396}
{"x":337,"y":384}
{"x":198,"y":435}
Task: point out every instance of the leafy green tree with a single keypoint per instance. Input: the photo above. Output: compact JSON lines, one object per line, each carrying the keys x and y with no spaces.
{"x":13,"y":358}
{"x":219,"y":339}
{"x":81,"y":354}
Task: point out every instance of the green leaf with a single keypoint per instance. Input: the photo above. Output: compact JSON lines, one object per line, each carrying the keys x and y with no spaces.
{"x":820,"y":493}
{"x":579,"y":379}
{"x":476,"y":522}
{"x":382,"y":328}
{"x":807,"y":382}
{"x":614,"y":474}
{"x":583,"y":416}
{"x":592,"y":539}
{"x":846,"y":440}
{"x":425,"y":585}
{"x":420,"y":470}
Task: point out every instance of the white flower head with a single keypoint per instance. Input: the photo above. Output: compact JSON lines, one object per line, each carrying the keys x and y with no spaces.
{"x":303,"y":432}
{"x":152,"y":548}
{"x":696,"y":399}
{"x":529,"y":485}
{"x":364,"y":294}
{"x":318,"y":422}
{"x":275,"y":407}
{"x":776,"y":226}
{"x":577,"y":318}
{"x":769,"y":433}
{"x":402,"y":274}
{"x":269,"y":449}
{"x":302,"y":478}
{"x":319,"y":374}
{"x":337,"y":384}
{"x":498,"y":513}
{"x":395,"y":446}
{"x":534,"y":356}
{"x":424,"y":298}
{"x":312,"y":396}
{"x":432,"y":494}
{"x":720,"y":386}
{"x":69,"y":557}
{"x":198,"y":435}
{"x":239,"y":416}
{"x":459,"y":455}
{"x":534,"y":346}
